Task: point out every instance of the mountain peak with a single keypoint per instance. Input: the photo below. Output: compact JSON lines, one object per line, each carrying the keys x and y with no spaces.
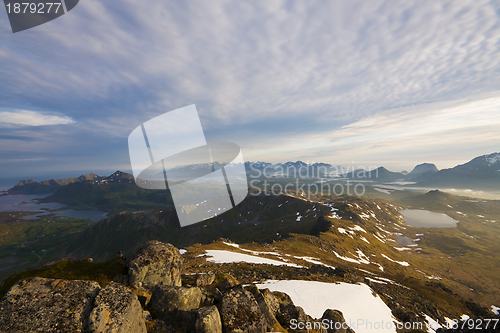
{"x":26,"y":182}
{"x":423,"y":168}
{"x":117,"y":175}
{"x":492,"y":158}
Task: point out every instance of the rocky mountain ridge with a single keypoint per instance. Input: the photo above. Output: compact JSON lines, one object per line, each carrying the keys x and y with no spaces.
{"x":151,"y":298}
{"x":48,"y":186}
{"x":480,"y":172}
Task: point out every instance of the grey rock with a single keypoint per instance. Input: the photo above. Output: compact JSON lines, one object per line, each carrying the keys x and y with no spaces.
{"x":336,"y":322}
{"x":227,"y":282}
{"x":167,"y":299}
{"x":207,"y":298}
{"x":269,"y":307}
{"x":205,"y":279}
{"x":287,"y":312}
{"x":155,"y":263}
{"x":240,"y":311}
{"x":147,"y":316}
{"x":208,"y":320}
{"x":47,"y":305}
{"x":117,"y":309}
{"x":271,"y":301}
{"x":161,"y":326}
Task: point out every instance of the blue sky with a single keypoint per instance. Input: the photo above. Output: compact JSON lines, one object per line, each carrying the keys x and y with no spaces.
{"x":371,"y":82}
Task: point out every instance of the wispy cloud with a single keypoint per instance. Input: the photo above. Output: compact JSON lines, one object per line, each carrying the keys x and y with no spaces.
{"x":32,"y":118}
{"x":432,"y":132}
{"x":285,"y":79}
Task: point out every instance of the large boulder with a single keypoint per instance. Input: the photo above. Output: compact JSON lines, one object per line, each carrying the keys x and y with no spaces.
{"x":204,"y":279}
{"x":240,"y":312}
{"x":165,"y":300}
{"x":207,"y":320}
{"x":286,"y":311}
{"x":155,"y":263}
{"x":47,"y":305}
{"x":336,"y":322}
{"x":269,"y":306}
{"x":227,"y":282}
{"x":117,"y":309}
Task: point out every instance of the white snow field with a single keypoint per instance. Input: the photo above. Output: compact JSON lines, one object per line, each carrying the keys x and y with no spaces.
{"x":224,"y":257}
{"x":363,"y":311}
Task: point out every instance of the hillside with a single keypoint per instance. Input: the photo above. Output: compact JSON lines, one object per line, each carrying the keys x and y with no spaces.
{"x":380,"y":174}
{"x":115,"y":193}
{"x":258,"y":218}
{"x":482,"y":173}
{"x":48,"y":186}
{"x":356,"y":231}
{"x":350,"y":242}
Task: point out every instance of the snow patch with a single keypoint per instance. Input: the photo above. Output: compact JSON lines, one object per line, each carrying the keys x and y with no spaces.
{"x":314,"y":261}
{"x":402,"y":248}
{"x":357,"y":302}
{"x":346,"y":259}
{"x":226,"y":257}
{"x":358,"y":228}
{"x":432,"y":325}
{"x":402,"y":263}
{"x":364,"y":239}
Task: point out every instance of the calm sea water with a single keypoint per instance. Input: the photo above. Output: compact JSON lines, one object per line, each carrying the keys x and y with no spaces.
{"x":28,"y":203}
{"x":427,"y":219}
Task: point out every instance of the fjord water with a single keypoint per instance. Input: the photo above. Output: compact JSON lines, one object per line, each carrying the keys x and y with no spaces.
{"x":28,"y":203}
{"x":426,"y":219}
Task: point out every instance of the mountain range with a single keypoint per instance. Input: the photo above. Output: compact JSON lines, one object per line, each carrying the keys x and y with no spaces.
{"x":440,"y":273}
{"x":481,"y":173}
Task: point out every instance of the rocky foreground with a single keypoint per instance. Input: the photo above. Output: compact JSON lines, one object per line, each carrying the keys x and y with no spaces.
{"x":152,"y":298}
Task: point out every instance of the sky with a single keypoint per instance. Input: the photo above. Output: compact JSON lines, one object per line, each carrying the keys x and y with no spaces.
{"x":364,"y":82}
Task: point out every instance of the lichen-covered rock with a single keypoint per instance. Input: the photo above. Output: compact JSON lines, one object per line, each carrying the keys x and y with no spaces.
{"x":228,"y":281}
{"x":271,"y":301}
{"x":204,"y":279}
{"x":208,"y":320}
{"x":240,"y":311}
{"x":336,"y":322}
{"x":117,"y":309}
{"x":167,"y":299}
{"x":155,"y":263}
{"x":288,"y":312}
{"x":47,"y":305}
{"x":207,"y":298}
{"x":269,"y":306}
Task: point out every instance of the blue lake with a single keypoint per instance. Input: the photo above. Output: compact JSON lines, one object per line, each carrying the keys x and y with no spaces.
{"x":426,"y":219}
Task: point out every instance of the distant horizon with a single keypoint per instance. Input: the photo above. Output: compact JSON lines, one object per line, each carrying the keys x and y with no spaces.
{"x":9,"y":182}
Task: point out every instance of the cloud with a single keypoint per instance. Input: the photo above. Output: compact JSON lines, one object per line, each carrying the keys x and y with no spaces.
{"x":32,"y":118}
{"x":433,"y":132}
{"x":284,"y":79}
